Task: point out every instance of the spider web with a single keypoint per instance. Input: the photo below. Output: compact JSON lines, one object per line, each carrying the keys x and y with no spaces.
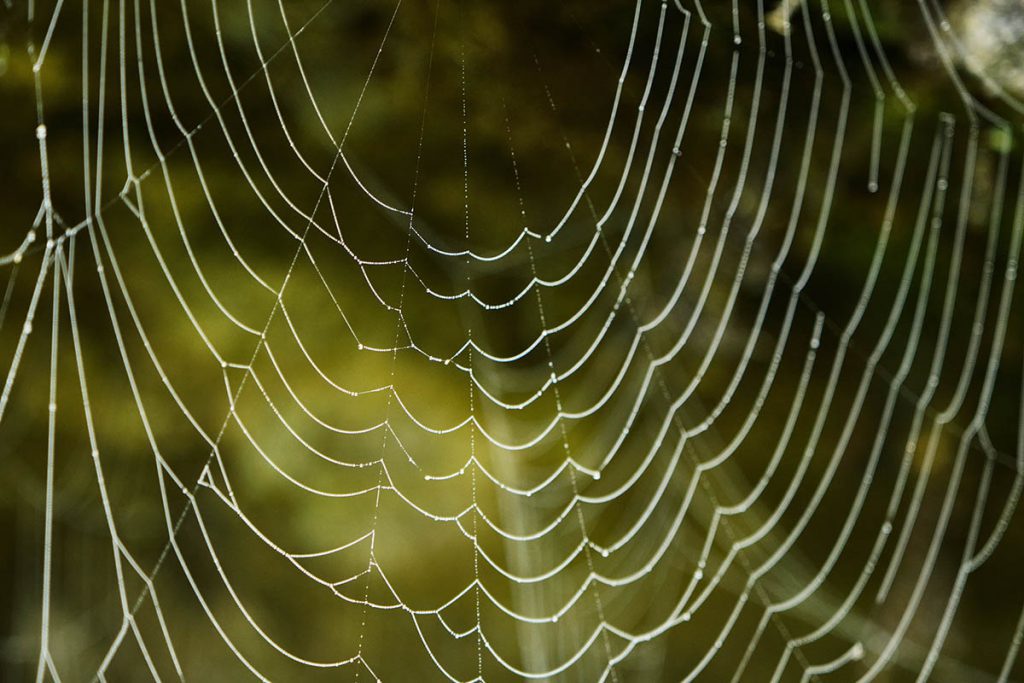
{"x":446,"y":341}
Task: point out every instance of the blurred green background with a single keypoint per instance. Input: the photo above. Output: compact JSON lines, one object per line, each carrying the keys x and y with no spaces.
{"x":188,"y":147}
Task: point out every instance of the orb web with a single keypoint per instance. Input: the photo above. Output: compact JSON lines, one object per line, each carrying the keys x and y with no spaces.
{"x":658,"y":340}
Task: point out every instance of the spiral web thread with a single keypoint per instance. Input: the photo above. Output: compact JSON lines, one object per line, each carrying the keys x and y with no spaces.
{"x":677,"y":466}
